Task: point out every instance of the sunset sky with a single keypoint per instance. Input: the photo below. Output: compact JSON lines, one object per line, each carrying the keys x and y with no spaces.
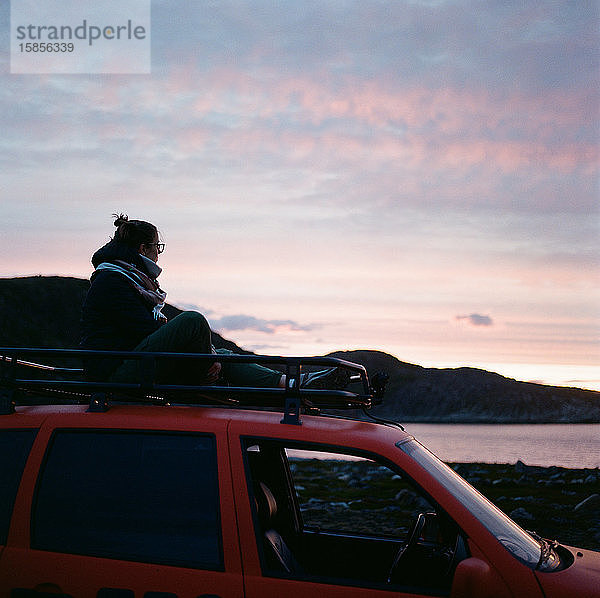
{"x":417,"y":177}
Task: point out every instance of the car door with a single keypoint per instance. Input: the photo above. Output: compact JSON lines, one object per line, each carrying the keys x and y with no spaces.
{"x":123,"y":507}
{"x":331,"y":525}
{"x":15,"y":445}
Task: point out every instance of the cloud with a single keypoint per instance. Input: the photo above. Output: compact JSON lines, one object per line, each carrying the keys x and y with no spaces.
{"x":476,"y":320}
{"x":265,"y":347}
{"x":525,"y":44}
{"x":363,"y":125}
{"x":581,"y":383}
{"x":245,"y":322}
{"x":429,"y":145}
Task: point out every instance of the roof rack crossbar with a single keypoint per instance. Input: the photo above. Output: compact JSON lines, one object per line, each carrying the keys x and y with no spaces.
{"x":290,"y":399}
{"x":147,"y":371}
{"x":174,"y":388}
{"x":237,"y":357}
{"x":40,"y":366}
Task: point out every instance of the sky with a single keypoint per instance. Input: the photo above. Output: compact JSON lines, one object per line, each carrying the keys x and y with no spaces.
{"x":415,"y":177}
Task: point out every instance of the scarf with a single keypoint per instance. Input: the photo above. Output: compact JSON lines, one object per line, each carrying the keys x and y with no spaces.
{"x":151,"y":293}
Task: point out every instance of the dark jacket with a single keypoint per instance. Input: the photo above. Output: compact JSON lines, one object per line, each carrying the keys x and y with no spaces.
{"x":114,"y":316}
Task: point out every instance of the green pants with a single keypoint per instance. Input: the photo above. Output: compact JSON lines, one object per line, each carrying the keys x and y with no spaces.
{"x":189,"y":332}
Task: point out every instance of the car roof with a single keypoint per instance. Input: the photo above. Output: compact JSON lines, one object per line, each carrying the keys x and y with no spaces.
{"x":252,"y":421}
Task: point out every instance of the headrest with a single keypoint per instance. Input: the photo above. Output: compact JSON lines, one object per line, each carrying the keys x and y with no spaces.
{"x":267,"y":505}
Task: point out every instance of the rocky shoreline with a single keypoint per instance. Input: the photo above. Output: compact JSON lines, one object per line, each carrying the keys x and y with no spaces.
{"x":557,"y":503}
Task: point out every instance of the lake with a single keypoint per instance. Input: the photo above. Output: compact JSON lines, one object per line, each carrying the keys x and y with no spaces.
{"x":565,"y":445}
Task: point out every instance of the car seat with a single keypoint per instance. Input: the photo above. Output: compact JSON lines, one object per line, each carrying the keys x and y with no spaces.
{"x":277,"y":551}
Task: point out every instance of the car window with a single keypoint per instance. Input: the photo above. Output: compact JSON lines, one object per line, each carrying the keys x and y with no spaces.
{"x":14,"y":450}
{"x":150,"y":497}
{"x":347,"y":519}
{"x":353,"y":495}
{"x":516,"y":540}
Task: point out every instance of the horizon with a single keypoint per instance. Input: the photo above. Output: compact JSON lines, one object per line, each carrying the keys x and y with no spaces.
{"x":418,"y":177}
{"x":518,"y":372}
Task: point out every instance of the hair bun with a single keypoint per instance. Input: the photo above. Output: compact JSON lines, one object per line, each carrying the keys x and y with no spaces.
{"x":120,"y":219}
{"x":134,"y":232}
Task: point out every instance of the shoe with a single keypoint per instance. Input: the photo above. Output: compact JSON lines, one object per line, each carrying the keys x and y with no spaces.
{"x":332,"y":379}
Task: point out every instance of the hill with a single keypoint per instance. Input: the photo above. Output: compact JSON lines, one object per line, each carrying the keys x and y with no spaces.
{"x":471,"y":395}
{"x":44,"y":312}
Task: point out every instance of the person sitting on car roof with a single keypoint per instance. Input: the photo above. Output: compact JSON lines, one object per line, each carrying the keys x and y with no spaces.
{"x":122,"y":311}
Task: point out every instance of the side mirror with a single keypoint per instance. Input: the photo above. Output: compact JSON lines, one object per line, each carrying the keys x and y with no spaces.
{"x":474,"y":578}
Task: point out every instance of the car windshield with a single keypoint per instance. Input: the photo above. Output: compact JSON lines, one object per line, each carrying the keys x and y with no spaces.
{"x":509,"y":534}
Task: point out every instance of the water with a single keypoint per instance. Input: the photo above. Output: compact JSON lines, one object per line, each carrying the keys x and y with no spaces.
{"x":565,"y":445}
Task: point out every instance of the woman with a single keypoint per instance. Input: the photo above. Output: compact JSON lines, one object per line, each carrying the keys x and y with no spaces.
{"x":122,"y":312}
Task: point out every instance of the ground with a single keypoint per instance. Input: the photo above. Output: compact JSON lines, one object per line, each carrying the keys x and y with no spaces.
{"x":557,"y":503}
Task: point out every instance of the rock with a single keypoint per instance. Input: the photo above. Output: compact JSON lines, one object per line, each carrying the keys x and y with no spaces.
{"x":354,"y":483}
{"x":520,"y":467}
{"x":510,"y":482}
{"x":404,"y":497}
{"x":590,"y":504}
{"x":521,"y":513}
{"x":390,"y":509}
{"x":461,"y":470}
{"x":337,"y":505}
{"x":528,"y":499}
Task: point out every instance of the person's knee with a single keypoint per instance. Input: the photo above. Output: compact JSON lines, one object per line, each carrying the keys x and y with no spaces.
{"x":192,"y":318}
{"x":194,"y":326}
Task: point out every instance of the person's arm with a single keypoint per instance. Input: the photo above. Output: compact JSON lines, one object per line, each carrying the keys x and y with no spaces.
{"x":115,"y":301}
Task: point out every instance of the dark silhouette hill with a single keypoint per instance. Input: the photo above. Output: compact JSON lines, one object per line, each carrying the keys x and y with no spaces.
{"x":44,"y":311}
{"x":471,"y":395}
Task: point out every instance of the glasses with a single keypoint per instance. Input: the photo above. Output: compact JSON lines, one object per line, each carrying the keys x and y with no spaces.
{"x":160,"y":247}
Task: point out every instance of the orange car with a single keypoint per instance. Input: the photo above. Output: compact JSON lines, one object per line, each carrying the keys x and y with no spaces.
{"x":122,"y":498}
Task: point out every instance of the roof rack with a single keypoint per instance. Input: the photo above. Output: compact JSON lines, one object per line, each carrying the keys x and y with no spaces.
{"x":23,"y":381}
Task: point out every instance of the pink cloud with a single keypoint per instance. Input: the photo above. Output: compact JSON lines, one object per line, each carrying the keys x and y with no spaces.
{"x":414,"y":143}
{"x":448,"y":127}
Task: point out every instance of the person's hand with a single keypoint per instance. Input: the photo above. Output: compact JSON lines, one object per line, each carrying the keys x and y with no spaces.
{"x":213,"y":372}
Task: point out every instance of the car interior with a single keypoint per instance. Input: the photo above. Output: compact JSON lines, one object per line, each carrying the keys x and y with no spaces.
{"x":405,"y":542}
